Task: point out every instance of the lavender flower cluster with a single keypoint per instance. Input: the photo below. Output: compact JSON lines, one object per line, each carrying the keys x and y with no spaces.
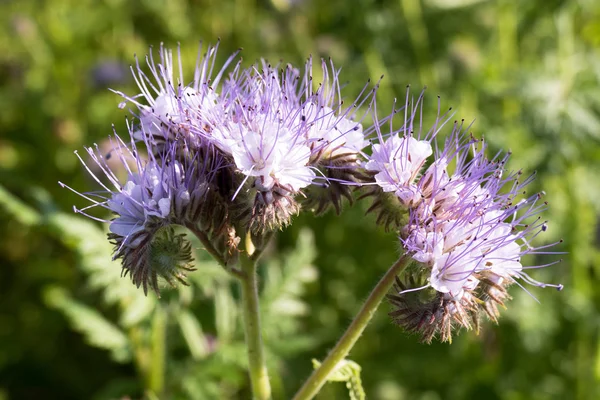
{"x":239,"y":151}
{"x":463,"y":219}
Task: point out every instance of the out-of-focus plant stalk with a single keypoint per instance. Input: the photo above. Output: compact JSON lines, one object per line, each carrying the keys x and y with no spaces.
{"x":157,"y":364}
{"x":261,"y":387}
{"x":318,"y":378}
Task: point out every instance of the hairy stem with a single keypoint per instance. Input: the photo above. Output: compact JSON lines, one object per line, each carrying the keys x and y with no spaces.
{"x":255,"y":256}
{"x":318,"y":378}
{"x":259,"y":377}
{"x":203,"y":237}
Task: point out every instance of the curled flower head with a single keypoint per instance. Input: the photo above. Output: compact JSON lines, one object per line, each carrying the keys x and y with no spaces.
{"x":285,"y":137}
{"x":231,"y":151}
{"x":473,"y":219}
{"x":258,"y":132}
{"x":467,"y":229}
{"x":159,"y":192}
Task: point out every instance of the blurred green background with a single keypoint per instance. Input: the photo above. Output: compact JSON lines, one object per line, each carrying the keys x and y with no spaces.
{"x":528,"y":72}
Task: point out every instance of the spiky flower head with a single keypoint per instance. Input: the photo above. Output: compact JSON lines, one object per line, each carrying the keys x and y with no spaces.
{"x":467,"y":227}
{"x":168,"y":107}
{"x":396,"y":161}
{"x":282,"y":135}
{"x":256,"y":130}
{"x":160,"y":191}
{"x":280,"y":131}
{"x":336,"y":136}
{"x":226,"y":154}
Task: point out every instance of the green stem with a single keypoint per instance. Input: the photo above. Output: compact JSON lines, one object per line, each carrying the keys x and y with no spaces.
{"x":157,"y":364}
{"x":318,"y":378}
{"x":259,"y":377}
{"x":255,"y":255}
{"x":203,"y":237}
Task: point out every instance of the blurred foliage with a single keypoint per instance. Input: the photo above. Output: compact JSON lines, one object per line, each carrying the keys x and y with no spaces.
{"x":70,"y":328}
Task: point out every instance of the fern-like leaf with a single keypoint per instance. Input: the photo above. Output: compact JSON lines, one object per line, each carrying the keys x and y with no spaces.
{"x":96,"y":329}
{"x":349,"y":372}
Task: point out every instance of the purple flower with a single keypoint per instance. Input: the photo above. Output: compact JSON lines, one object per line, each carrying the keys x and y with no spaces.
{"x":262,"y":134}
{"x":283,"y":135}
{"x":279,"y":131}
{"x":397,"y":162}
{"x":466,"y":226}
{"x":159,"y":192}
{"x":171,"y":107}
{"x":227,"y":152}
{"x":470,"y":222}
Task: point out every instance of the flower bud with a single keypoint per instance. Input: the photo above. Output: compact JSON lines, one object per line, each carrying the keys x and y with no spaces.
{"x":154,"y":254}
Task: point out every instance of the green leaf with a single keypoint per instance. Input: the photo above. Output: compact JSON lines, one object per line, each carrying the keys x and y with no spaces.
{"x":137,"y":309}
{"x":95,"y":259}
{"x":225,"y":313}
{"x":17,"y":209}
{"x":346,"y":371}
{"x":287,"y":280}
{"x":193,"y":335}
{"x":282,"y":303}
{"x":98,"y":331}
